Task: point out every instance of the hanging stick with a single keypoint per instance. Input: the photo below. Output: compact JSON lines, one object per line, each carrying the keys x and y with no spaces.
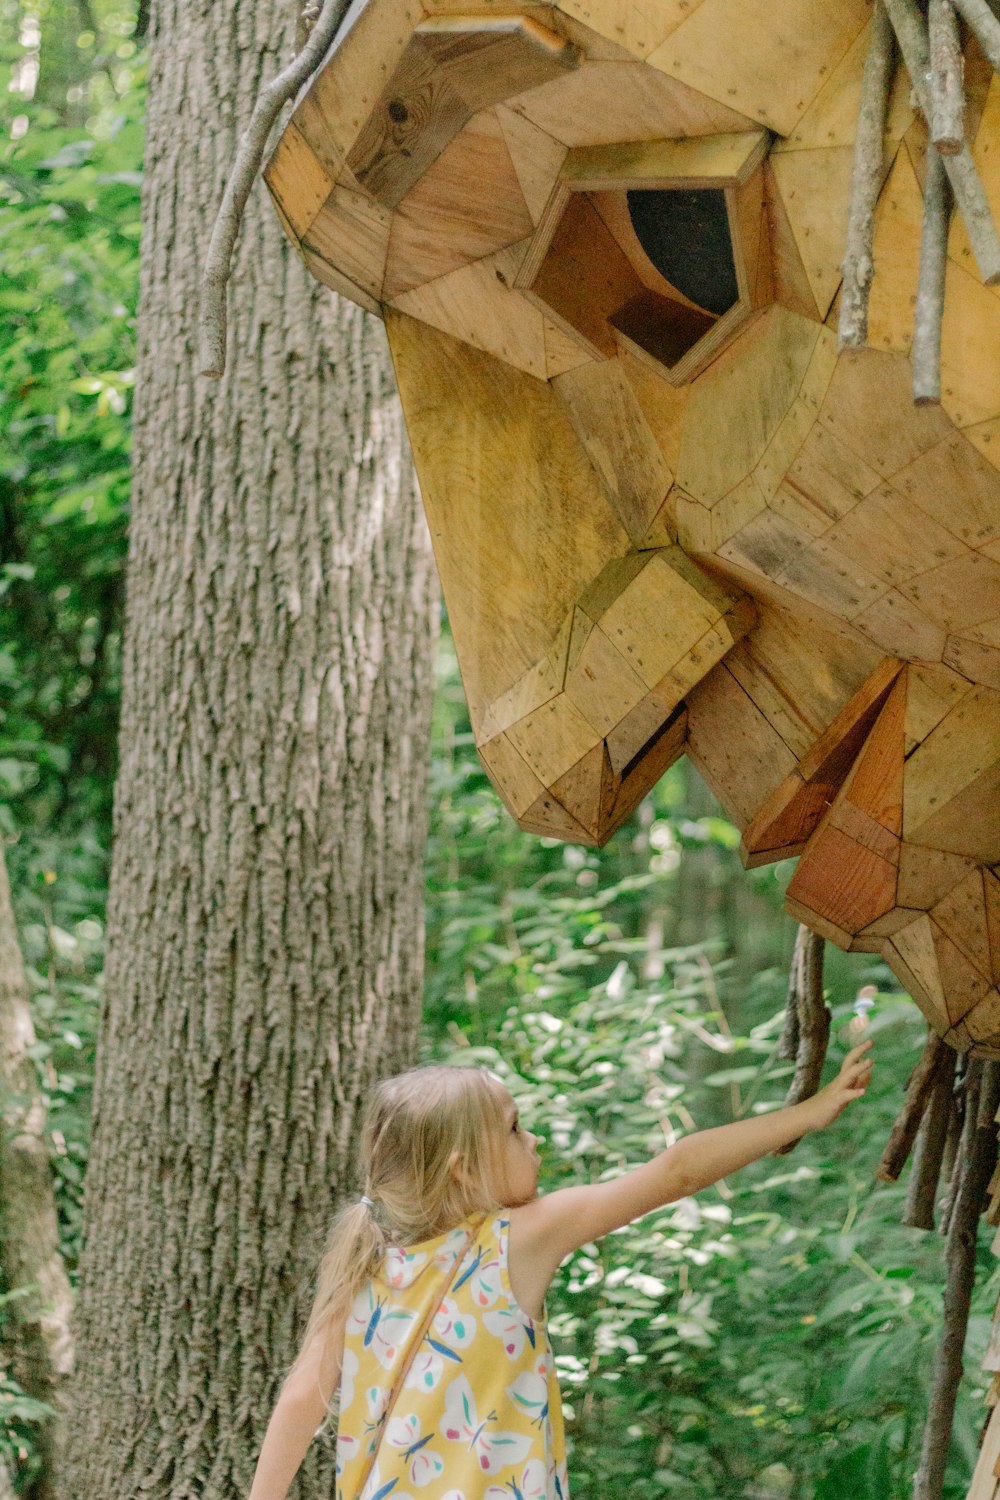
{"x":970,"y":198}
{"x":986,"y":27}
{"x":947,"y":95}
{"x":918,"y":1093}
{"x":976,"y":1161}
{"x":866,"y":182}
{"x":813,"y":1020}
{"x":788,"y":1047}
{"x":242,"y":176}
{"x":926,"y":353}
{"x":928,"y":1152}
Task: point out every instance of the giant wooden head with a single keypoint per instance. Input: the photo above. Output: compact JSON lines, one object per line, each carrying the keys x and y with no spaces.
{"x":605,"y":237}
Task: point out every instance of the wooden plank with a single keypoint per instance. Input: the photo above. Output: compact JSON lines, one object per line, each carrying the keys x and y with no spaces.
{"x":964,"y":986}
{"x":548,"y":818}
{"x":991,"y":889}
{"x":789,"y":280}
{"x":899,"y":627}
{"x":953,"y":778}
{"x":970,"y":362}
{"x":337,"y":282}
{"x":611,"y":425}
{"x":536,"y":157}
{"x":451,"y":68}
{"x":926,"y":875}
{"x":297,"y":181}
{"x":975,"y":660}
{"x":733,"y":746}
{"x":893,"y":537}
{"x":350,"y":234}
{"x":832,"y":117}
{"x":498,"y":502}
{"x":536,"y":686}
{"x":602,"y":684}
{"x":815,"y":190}
{"x":953,"y":484}
{"x":869,"y":407}
{"x":467,"y":205}
{"x":579,"y":791}
{"x":819,"y":924}
{"x":910,"y":952}
{"x":737,"y":405}
{"x":637,"y":25}
{"x":553,"y":738}
{"x":958,"y":594}
{"x":712,"y":161}
{"x":782,"y":826}
{"x":642,"y":771}
{"x":961,"y":914}
{"x":561,"y":352}
{"x":984,"y":1482}
{"x":934,"y":692}
{"x":608,"y":101}
{"x":825,"y":481}
{"x":516,"y":784}
{"x":628,"y":740}
{"x":896,"y":259}
{"x":770,"y":71}
{"x":475,"y":304}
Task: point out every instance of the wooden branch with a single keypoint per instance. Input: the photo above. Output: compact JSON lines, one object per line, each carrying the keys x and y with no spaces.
{"x":926,"y":353}
{"x":928,"y":1152}
{"x":918,"y":1092}
{"x":813,"y":1020}
{"x":788,"y":1047}
{"x":947,"y":93}
{"x":985,"y":26}
{"x":977,"y":1159}
{"x":242,"y":176}
{"x":911,"y":33}
{"x":866,"y":182}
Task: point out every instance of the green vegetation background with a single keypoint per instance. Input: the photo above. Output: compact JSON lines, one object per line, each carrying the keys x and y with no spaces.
{"x":772,"y":1338}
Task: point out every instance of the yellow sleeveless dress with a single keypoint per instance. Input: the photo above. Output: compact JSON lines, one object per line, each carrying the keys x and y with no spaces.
{"x":479,"y":1415}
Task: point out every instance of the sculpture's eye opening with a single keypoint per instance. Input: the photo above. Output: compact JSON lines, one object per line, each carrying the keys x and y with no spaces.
{"x":657,"y":247}
{"x":685,"y":234}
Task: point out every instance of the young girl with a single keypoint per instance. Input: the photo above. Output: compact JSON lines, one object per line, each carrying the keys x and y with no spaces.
{"x":429,"y":1313}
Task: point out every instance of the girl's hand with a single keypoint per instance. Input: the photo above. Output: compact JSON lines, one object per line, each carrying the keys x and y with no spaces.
{"x":850,"y":1083}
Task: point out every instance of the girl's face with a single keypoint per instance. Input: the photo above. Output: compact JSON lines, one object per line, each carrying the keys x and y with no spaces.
{"x":520,"y":1160}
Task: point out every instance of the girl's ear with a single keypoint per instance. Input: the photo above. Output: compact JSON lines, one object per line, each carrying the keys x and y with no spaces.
{"x":456,"y":1167}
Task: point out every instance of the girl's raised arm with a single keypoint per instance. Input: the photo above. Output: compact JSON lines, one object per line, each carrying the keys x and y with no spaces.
{"x":300,"y":1410}
{"x":546,"y":1230}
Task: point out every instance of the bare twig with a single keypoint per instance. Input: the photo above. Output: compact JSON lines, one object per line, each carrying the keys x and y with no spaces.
{"x":866,"y":182}
{"x":911,"y":33}
{"x":926,"y":354}
{"x":788,"y":1046}
{"x":947,"y":123}
{"x":986,"y":27}
{"x":813,"y":1020}
{"x":242,"y":176}
{"x":976,"y":1161}
{"x":928,"y":1152}
{"x":918,"y":1093}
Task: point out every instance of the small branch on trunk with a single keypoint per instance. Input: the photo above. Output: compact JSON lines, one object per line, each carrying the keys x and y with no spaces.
{"x":984,"y":24}
{"x":971,"y":200}
{"x":928,"y":1152}
{"x":976,"y":1160}
{"x":813,"y":1020}
{"x":926,"y":354}
{"x":947,"y":95}
{"x":866,"y":182}
{"x":249,"y":155}
{"x":918,"y":1093}
{"x":788,"y":1047}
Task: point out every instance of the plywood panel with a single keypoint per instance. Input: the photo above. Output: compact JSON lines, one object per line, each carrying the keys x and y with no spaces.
{"x":970,"y":349}
{"x":961,"y":915}
{"x":960,"y":593}
{"x":610,"y":422}
{"x":476,"y":305}
{"x":892,"y":538}
{"x":735,"y":749}
{"x":738,"y":403}
{"x":789,"y":280}
{"x":298,"y":182}
{"x":953,"y":781}
{"x":815,"y":190}
{"x":869,"y":407}
{"x":896,"y":257}
{"x":351,"y":235}
{"x":637,"y":25}
{"x":499,"y":503}
{"x":467,"y":205}
{"x":832,"y":117}
{"x":901,"y":628}
{"x":770,"y":71}
{"x":912,"y":954}
{"x":927,"y":875}
{"x":617,"y":101}
{"x":536,"y":157}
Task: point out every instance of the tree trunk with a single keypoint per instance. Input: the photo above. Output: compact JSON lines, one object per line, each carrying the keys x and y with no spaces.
{"x":39,"y":1346}
{"x":264,"y":927}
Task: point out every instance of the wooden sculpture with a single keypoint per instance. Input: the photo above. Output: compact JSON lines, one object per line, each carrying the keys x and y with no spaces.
{"x":606,"y":238}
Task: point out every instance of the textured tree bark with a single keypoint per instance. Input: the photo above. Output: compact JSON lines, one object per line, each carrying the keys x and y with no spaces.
{"x":264,"y":928}
{"x":39,"y":1346}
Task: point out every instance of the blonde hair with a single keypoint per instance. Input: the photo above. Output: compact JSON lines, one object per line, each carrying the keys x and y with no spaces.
{"x":417,"y":1126}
